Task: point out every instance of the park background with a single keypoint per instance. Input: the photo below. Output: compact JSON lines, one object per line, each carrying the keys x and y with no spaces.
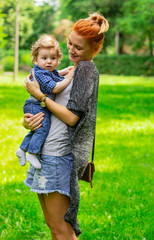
{"x":120,"y":204}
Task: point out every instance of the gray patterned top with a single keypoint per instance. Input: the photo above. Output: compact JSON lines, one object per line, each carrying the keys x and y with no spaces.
{"x":82,"y":102}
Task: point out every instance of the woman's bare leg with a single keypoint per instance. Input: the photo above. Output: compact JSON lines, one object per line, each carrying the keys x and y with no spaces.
{"x":54,"y":206}
{"x":43,"y":205}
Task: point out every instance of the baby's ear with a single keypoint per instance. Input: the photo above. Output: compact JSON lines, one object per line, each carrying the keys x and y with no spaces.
{"x":35,"y":61}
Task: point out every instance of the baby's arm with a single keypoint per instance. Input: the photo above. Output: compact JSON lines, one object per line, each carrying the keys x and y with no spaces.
{"x":65,"y":71}
{"x":64,"y":83}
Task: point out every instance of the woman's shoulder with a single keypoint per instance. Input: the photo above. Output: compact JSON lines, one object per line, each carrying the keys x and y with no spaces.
{"x":87,"y":66}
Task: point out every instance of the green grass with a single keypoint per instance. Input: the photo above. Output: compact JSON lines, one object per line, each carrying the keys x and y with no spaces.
{"x":119,"y":207}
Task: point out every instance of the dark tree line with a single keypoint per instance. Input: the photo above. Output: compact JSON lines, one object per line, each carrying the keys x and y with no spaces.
{"x":131,"y":22}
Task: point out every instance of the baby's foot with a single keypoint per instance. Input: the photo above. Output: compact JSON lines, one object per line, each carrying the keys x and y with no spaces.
{"x":32,"y":158}
{"x":21,"y":156}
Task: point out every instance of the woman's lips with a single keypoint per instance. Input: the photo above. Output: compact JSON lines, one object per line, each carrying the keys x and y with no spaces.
{"x":72,"y":56}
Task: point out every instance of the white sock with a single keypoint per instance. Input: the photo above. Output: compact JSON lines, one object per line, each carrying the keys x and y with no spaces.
{"x":21,"y":156}
{"x":32,"y":158}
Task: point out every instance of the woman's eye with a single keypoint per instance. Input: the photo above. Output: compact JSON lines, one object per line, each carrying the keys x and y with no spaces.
{"x":79,"y":48}
{"x":69,"y":43}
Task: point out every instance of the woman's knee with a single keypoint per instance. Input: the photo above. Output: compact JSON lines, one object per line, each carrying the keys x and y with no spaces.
{"x":48,"y":222}
{"x":62,"y":230}
{"x":53,"y":227}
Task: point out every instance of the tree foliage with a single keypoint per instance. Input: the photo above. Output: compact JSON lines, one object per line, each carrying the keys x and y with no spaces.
{"x":138,"y":23}
{"x":132,"y":20}
{"x":34,"y":20}
{"x":76,"y":9}
{"x":2,"y":34}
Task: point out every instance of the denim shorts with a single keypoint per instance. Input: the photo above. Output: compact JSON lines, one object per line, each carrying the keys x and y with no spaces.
{"x":54,"y":175}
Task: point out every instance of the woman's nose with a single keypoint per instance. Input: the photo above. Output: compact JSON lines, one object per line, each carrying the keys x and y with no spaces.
{"x":72,"y":49}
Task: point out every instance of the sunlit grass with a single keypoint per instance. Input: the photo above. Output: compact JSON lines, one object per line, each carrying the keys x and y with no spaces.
{"x":120,"y":204}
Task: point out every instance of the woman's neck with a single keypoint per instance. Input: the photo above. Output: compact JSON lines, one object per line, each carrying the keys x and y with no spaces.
{"x":76,"y":64}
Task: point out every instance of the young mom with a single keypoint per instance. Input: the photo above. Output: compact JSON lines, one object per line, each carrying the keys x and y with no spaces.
{"x":67,"y":148}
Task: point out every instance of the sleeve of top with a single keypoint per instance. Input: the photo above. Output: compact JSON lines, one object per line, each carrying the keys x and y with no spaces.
{"x":82,"y":89}
{"x":47,"y":80}
{"x":57,"y":77}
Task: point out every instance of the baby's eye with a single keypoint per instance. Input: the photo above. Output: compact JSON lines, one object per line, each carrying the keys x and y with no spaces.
{"x":44,"y":58}
{"x":53,"y":58}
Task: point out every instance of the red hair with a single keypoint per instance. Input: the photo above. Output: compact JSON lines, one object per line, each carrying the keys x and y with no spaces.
{"x":92,"y":29}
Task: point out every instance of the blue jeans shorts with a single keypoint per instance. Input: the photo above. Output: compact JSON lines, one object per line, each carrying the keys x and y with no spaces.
{"x":54,"y":175}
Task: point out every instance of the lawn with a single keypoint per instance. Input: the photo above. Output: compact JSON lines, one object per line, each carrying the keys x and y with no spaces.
{"x":119,"y":207}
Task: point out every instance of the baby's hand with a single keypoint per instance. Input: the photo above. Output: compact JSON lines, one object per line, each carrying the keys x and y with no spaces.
{"x":65,"y":70}
{"x":70,"y":75}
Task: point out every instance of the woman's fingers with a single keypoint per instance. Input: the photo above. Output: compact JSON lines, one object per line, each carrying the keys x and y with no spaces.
{"x":37,"y":127}
{"x":35,"y":81}
{"x":28,"y":115}
{"x":27,"y":80}
{"x":33,"y":122}
{"x":36,"y":120}
{"x":33,"y":74}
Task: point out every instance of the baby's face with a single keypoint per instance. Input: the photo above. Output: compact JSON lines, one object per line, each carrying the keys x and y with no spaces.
{"x":47,"y":59}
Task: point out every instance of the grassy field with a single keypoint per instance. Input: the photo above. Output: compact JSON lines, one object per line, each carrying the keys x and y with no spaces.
{"x":119,"y":207}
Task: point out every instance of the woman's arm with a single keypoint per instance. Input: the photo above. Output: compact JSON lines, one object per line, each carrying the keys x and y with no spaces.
{"x":58,"y":110}
{"x":62,"y":112}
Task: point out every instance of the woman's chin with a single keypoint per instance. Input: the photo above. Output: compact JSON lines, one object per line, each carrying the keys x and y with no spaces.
{"x":72,"y":59}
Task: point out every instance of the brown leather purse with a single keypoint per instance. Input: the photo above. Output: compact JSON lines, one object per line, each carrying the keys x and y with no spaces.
{"x":90,"y":169}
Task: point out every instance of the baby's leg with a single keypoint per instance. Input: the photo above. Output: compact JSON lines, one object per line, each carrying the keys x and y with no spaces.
{"x":21,"y":154}
{"x":32,"y":158}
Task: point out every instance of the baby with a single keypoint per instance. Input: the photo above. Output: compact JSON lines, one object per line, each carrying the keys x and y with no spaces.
{"x":46,"y":55}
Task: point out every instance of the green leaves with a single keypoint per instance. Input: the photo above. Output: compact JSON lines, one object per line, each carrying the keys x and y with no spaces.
{"x":137,"y":22}
{"x":33,"y":21}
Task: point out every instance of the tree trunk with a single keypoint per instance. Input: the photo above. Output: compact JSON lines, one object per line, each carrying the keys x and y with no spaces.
{"x":150,"y":44}
{"x":117,"y":43}
{"x":16,"y":42}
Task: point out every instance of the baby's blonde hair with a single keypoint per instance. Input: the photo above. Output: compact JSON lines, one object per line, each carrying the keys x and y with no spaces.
{"x":46,"y":41}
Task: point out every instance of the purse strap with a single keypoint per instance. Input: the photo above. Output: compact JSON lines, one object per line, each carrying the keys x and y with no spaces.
{"x":93,"y":150}
{"x":93,"y":147}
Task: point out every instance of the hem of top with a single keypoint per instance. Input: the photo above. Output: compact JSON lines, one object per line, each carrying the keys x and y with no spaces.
{"x":57,"y":155}
{"x":47,"y":191}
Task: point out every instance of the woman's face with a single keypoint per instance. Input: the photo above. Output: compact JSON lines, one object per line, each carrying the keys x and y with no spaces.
{"x":78,"y":48}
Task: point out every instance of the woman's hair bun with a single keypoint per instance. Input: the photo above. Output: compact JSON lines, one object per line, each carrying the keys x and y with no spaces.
{"x":101,"y":21}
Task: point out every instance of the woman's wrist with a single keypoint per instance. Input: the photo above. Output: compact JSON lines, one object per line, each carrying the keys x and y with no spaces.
{"x":42,"y":97}
{"x":39,"y":95}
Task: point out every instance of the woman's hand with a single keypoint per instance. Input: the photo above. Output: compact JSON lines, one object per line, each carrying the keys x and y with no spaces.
{"x":33,"y":87}
{"x":33,"y":122}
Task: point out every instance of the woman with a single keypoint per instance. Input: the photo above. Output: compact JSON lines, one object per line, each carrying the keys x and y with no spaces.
{"x":67,"y":149}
